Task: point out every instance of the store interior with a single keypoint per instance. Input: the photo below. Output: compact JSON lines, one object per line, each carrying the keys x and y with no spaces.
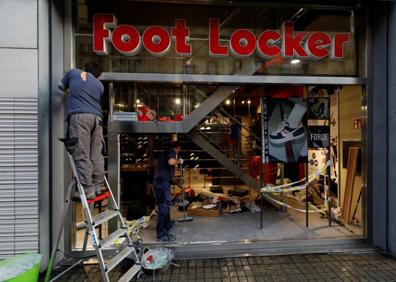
{"x":223,"y":196}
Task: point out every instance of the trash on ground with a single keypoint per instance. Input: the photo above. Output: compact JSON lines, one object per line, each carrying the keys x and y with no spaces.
{"x":157,"y":258}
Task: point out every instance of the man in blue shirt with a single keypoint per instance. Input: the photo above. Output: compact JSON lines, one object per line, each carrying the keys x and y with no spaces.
{"x":84,"y":132}
{"x":162,"y":181}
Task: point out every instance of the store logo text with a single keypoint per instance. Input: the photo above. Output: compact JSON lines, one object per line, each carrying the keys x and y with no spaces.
{"x":270,"y":43}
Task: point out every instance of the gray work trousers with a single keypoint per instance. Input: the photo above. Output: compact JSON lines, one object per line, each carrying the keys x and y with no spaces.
{"x":89,"y":149}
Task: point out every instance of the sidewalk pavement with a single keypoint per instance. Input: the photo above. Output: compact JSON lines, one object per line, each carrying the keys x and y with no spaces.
{"x":372,"y":266}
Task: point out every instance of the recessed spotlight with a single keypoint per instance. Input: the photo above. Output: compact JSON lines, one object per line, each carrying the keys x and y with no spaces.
{"x":228,"y":102}
{"x":295,"y":61}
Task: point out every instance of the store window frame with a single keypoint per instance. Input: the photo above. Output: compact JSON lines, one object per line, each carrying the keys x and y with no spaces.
{"x":360,"y":80}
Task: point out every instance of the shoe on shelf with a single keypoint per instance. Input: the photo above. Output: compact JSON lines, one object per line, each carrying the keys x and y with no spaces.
{"x":285,"y":133}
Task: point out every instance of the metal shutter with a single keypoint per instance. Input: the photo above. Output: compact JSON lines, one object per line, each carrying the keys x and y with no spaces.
{"x":19,"y":213}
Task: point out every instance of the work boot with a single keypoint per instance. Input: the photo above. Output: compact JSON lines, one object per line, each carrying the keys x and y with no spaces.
{"x":171,"y":237}
{"x":162,"y":239}
{"x":166,"y":238}
{"x":100,"y":189}
{"x":172,"y":226}
{"x":90,"y":195}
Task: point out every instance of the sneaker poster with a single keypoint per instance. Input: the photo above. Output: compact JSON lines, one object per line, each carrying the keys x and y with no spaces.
{"x":284,"y":130}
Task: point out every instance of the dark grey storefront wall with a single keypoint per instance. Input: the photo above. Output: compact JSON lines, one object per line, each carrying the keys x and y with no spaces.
{"x":392,"y":128}
{"x":378,"y":125}
{"x":383,"y":124}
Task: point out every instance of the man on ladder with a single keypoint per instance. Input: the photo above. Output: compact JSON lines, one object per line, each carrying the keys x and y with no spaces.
{"x":84,"y":137}
{"x":85,"y":146}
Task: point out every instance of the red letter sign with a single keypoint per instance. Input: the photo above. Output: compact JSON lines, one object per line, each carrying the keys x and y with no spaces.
{"x":242,"y":43}
{"x":338,"y":44}
{"x":126,"y":40}
{"x":156,"y":40}
{"x":101,"y":32}
{"x":291,"y":43}
{"x":181,"y":34}
{"x":266,"y":47}
{"x":318,"y":45}
{"x":215,"y":49}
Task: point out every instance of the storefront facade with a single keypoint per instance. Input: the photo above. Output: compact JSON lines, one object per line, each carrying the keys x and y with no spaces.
{"x":206,"y":58}
{"x":341,"y":49}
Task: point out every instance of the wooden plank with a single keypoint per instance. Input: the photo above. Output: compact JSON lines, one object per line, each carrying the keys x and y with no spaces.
{"x":203,"y":212}
{"x":349,"y":184}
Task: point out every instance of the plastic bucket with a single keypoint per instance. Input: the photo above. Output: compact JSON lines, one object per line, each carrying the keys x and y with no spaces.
{"x":23,"y":268}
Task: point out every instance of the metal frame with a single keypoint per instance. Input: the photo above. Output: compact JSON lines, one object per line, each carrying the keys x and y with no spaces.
{"x":44,"y":129}
{"x":274,"y":4}
{"x":230,"y":79}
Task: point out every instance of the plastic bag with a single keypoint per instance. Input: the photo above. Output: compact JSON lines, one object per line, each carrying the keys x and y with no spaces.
{"x":17,"y":266}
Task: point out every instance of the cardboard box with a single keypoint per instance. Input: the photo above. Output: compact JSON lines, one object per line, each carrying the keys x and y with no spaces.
{"x":204,"y":212}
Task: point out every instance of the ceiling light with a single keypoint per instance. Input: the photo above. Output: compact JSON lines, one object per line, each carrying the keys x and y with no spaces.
{"x":121,"y":105}
{"x":177,"y":101}
{"x":243,"y":102}
{"x":197,"y":105}
{"x":137,"y":101}
{"x":295,"y":61}
{"x":228,"y":102}
{"x":249,"y":101}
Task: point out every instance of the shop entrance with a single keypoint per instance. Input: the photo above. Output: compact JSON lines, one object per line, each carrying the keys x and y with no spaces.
{"x":232,"y":148}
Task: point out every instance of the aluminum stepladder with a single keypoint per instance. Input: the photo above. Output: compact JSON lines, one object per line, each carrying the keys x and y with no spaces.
{"x":125,"y":250}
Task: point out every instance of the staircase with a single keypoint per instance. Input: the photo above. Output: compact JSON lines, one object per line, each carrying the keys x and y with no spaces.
{"x":210,"y":105}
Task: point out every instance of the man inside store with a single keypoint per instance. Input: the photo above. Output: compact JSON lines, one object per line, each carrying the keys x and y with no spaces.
{"x":163,"y":176}
{"x":84,"y":137}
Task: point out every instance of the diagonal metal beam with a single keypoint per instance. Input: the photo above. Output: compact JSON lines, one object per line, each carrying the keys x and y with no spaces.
{"x":214,"y":100}
{"x":207,"y":106}
{"x":230,"y":165}
{"x":223,"y":160}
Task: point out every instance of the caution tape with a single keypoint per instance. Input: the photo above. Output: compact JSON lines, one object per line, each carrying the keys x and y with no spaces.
{"x":293,"y":208}
{"x":289,"y":188}
{"x":277,"y":189}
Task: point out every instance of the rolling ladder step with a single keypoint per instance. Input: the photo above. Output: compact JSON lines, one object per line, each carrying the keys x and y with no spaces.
{"x":120,"y":232}
{"x":130,"y":273}
{"x":104,"y":217}
{"x":113,"y":262}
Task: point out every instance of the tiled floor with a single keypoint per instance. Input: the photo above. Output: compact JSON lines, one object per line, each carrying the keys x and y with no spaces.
{"x":371,"y":266}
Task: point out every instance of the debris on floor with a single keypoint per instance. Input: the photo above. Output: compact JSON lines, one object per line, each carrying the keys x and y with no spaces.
{"x":158,"y":259}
